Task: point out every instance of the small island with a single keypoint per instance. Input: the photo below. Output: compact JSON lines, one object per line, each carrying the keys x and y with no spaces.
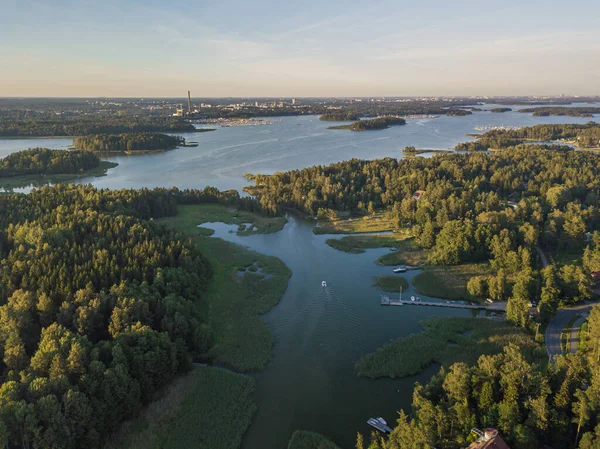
{"x":458,"y":112}
{"x":341,"y":116}
{"x":38,"y":166}
{"x":372,"y":124}
{"x":500,"y":110}
{"x":131,"y":143}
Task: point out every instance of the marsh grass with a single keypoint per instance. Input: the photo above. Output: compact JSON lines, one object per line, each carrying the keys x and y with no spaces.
{"x":446,"y":341}
{"x":208,"y":213}
{"x":357,"y":244}
{"x":303,"y":439}
{"x":207,"y":408}
{"x":233,"y":304}
{"x":390,"y":283}
{"x":409,"y":253}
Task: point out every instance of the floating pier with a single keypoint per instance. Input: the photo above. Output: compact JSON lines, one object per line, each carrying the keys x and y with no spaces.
{"x":379,"y":425}
{"x":496,"y":307}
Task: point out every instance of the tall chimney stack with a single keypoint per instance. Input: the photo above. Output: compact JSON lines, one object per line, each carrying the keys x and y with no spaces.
{"x":189,"y":103}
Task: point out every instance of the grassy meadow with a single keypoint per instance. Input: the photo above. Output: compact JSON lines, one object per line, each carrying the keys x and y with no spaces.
{"x":372,"y":223}
{"x":449,"y":282}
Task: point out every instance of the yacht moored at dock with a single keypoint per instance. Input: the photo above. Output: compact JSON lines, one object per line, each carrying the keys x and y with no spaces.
{"x":375,"y":422}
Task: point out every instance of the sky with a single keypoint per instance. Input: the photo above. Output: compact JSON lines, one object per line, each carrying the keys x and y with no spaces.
{"x":279,"y":48}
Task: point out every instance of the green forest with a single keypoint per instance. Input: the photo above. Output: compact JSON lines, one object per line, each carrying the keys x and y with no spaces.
{"x":341,"y":116}
{"x":372,"y":124}
{"x":128,"y":142}
{"x":574,"y":111}
{"x":457,"y":112}
{"x":496,"y":209}
{"x":44,"y":161}
{"x":464,"y":215}
{"x":98,"y":309}
{"x":531,"y":404}
{"x":584,"y":136}
{"x":82,"y":126}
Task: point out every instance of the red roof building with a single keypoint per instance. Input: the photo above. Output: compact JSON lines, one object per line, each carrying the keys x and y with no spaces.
{"x":489,"y":440}
{"x":418,"y":194}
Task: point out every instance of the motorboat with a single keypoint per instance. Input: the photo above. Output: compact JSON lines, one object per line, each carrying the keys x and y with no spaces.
{"x":400,"y":269}
{"x":323,"y":284}
{"x":382,"y":421}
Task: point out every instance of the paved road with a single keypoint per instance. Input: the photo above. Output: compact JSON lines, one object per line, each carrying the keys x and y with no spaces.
{"x":556,"y":326}
{"x":575,"y":334}
{"x":542,"y":256}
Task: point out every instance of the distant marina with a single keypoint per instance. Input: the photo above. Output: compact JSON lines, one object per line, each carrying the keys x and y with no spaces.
{"x":417,"y":116}
{"x":229,"y":122}
{"x":496,"y":128}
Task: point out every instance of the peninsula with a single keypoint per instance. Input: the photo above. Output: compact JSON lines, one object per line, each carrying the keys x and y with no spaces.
{"x":40,"y":165}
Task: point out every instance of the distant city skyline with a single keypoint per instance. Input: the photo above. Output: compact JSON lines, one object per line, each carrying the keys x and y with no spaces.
{"x":266,"y":48}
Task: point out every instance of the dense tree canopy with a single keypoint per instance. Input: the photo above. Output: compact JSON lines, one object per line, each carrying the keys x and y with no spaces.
{"x":457,"y":112}
{"x":585,"y":136}
{"x":81,"y":126}
{"x":44,"y":161}
{"x":571,"y":111}
{"x":127,"y":142}
{"x":341,"y":116}
{"x":474,"y":207}
{"x":530,"y":405}
{"x":377,"y":123}
{"x":96,"y":309}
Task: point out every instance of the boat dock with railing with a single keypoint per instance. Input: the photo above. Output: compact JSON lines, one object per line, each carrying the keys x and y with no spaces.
{"x":494,"y":307}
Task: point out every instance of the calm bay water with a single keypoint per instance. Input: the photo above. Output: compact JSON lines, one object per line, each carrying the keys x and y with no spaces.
{"x":225,"y":155}
{"x":319,"y":333}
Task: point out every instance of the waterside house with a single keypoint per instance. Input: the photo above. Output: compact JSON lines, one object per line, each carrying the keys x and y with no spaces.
{"x":489,"y":440}
{"x":417,"y":195}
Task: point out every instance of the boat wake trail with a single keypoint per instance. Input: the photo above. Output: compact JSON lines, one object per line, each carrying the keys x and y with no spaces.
{"x":326,"y":321}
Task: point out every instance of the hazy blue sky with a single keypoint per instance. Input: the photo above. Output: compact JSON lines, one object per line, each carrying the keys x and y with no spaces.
{"x":304,"y":48}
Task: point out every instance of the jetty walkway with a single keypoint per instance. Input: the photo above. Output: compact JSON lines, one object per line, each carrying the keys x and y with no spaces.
{"x":494,"y":307}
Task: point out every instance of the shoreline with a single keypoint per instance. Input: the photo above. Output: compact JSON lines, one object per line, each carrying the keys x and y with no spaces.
{"x":39,"y":180}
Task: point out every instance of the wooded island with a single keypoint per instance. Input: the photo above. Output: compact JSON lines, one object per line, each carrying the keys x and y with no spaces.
{"x":128,"y":142}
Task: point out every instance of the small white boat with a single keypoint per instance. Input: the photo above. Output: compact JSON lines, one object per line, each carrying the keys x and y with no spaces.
{"x":400,"y":269}
{"x":323,"y":284}
{"x":382,"y":421}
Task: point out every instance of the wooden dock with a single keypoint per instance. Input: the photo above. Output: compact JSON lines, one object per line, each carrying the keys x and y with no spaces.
{"x":495,"y":307}
{"x":379,"y":425}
